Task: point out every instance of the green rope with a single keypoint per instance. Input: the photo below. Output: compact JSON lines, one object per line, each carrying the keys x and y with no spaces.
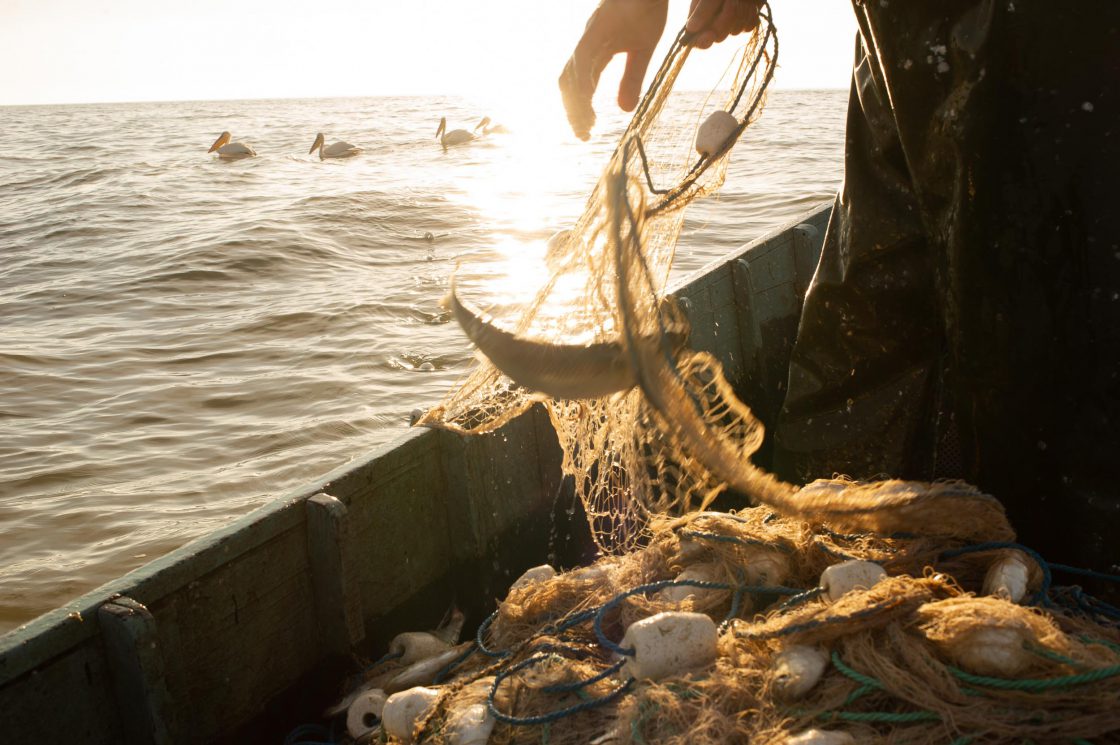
{"x":1103,"y":642}
{"x":1046,"y":684}
{"x":860,"y":678}
{"x":857,"y":694}
{"x":867,"y":685}
{"x":889,"y":717}
{"x":1054,"y":656}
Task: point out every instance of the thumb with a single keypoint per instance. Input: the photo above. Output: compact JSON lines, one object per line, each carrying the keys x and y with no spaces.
{"x":630,"y":88}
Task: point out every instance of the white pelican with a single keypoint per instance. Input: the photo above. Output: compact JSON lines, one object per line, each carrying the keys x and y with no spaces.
{"x":227,"y":149}
{"x":338,"y":149}
{"x":487,"y":129}
{"x":455,"y":136}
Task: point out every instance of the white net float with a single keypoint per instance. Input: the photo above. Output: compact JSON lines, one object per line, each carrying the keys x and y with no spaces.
{"x":821,"y":737}
{"x":846,"y":576}
{"x":533,"y":576}
{"x":471,"y":726}
{"x":797,"y":669}
{"x":716,"y":130}
{"x":405,"y":709}
{"x":668,"y":643}
{"x":414,"y":646}
{"x":363,"y":716}
{"x":991,"y":651}
{"x":1008,"y":576}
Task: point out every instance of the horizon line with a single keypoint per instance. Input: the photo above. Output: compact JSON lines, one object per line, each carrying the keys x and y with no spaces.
{"x":320,"y":98}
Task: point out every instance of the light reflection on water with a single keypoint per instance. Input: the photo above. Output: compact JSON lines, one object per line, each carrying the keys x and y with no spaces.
{"x":184,"y":338}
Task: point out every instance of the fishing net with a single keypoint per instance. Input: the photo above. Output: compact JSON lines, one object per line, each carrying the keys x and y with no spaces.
{"x":917,"y":655}
{"x":647,"y":425}
{"x":624,"y":468}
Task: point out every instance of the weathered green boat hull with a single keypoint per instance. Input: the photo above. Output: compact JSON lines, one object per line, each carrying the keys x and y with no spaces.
{"x":222,"y":639}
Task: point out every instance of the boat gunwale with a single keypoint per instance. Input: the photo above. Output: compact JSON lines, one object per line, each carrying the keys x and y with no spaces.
{"x":54,"y":633}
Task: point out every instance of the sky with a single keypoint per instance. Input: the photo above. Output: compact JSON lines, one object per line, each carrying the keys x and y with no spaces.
{"x":77,"y":51}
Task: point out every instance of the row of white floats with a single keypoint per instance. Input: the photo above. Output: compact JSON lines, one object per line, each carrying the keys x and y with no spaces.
{"x":664,"y":645}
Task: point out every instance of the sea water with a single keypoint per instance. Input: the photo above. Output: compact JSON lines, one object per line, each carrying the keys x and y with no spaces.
{"x":184,"y":338}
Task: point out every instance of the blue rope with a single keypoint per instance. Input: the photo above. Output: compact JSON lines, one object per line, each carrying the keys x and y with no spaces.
{"x":482,"y":629}
{"x":845,"y":536}
{"x":573,"y":621}
{"x":561,"y":627}
{"x":801,"y":597}
{"x":318,"y":732}
{"x":886,"y":605}
{"x":1086,"y":572}
{"x":833,"y":552}
{"x":386,"y":658}
{"x":1077,"y":599}
{"x":552,"y":716}
{"x":740,"y":540}
{"x":732,"y":614}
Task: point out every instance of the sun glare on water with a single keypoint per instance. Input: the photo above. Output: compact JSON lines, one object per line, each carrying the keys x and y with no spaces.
{"x":525,"y":185}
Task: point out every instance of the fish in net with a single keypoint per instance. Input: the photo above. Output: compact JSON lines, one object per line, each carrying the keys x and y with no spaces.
{"x":647,"y":425}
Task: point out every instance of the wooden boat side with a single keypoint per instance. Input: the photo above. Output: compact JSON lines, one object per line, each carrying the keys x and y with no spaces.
{"x":194,"y":645}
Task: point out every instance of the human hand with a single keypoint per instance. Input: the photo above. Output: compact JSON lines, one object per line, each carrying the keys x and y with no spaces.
{"x":631,"y":26}
{"x":634,"y":27}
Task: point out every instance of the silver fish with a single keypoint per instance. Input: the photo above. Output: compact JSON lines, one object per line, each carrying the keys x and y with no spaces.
{"x":562,"y":371}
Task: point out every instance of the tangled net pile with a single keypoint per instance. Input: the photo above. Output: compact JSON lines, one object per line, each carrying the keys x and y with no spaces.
{"x":915,"y":653}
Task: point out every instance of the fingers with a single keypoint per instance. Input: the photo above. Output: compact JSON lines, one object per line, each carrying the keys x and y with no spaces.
{"x":712,"y":21}
{"x":580,"y":77}
{"x":631,"y":26}
{"x":749,"y":15}
{"x":701,"y":14}
{"x":630,"y":88}
{"x":577,"y":102}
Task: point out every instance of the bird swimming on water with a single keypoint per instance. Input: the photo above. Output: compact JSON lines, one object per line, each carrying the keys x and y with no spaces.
{"x":338,"y":149}
{"x":455,"y":136}
{"x":230,"y":150}
{"x":491,"y":129}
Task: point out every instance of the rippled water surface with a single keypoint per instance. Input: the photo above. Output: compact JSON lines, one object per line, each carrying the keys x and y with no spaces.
{"x":183,"y":338}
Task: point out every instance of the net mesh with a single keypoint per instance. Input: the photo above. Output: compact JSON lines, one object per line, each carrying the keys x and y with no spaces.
{"x":625,"y":464}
